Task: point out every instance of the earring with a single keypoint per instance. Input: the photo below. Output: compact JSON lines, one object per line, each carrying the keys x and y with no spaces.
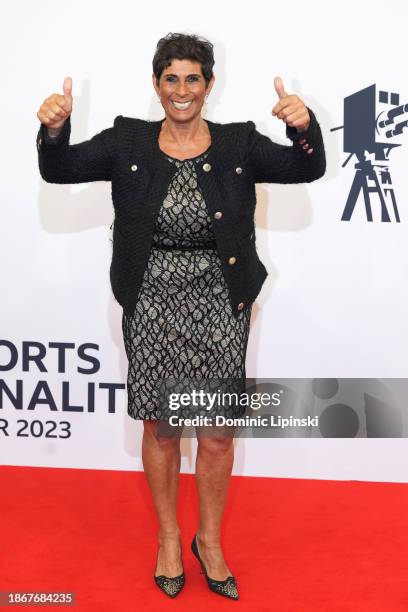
{"x":206,"y":98}
{"x":158,"y":99}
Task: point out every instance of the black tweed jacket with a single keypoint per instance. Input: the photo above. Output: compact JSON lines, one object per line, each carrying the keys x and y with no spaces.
{"x":129,"y":156}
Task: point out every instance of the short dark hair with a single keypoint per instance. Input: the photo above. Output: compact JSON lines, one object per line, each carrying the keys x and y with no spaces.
{"x":184,"y":46}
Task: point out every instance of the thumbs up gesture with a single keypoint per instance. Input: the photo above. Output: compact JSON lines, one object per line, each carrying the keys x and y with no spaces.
{"x":56,"y":109}
{"x":290,"y":108}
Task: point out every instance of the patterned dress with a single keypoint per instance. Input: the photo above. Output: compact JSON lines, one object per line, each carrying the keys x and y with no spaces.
{"x":183,"y":326}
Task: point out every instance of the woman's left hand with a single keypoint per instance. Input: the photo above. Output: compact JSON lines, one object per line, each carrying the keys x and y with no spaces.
{"x":290,"y":108}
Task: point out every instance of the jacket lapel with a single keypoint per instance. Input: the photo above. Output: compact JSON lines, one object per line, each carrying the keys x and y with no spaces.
{"x":146,"y":146}
{"x":146,"y":149}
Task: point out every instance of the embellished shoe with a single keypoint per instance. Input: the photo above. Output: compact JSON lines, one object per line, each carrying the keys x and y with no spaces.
{"x":170,"y":586}
{"x":227,"y":587}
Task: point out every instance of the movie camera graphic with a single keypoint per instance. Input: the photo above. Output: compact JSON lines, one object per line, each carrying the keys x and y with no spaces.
{"x":369,"y":126}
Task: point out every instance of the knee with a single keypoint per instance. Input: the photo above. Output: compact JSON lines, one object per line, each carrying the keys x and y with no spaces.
{"x":215,"y":445}
{"x":159,"y":435}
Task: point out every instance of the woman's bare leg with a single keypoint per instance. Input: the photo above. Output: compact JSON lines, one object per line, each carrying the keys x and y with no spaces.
{"x":161,"y":462}
{"x":215,"y":458}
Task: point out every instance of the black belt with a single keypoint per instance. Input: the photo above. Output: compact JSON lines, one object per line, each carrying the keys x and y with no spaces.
{"x":177,"y":247}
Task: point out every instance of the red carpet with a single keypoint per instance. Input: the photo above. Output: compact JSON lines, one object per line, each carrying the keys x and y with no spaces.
{"x":294,"y":545}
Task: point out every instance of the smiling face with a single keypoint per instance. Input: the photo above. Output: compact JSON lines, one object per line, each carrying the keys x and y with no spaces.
{"x":182,"y":89}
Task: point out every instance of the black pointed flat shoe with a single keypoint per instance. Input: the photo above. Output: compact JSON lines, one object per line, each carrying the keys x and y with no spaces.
{"x":227,"y":587}
{"x":170,"y":586}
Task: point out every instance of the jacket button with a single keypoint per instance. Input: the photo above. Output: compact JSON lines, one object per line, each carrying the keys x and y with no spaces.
{"x":218,"y":215}
{"x":39,"y":140}
{"x":207,"y":167}
{"x":240,"y":305}
{"x":232,"y":260}
{"x":133,"y":168}
{"x":238,"y":170}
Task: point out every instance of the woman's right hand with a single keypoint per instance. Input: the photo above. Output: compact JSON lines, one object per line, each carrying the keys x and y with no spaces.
{"x":56,"y":109}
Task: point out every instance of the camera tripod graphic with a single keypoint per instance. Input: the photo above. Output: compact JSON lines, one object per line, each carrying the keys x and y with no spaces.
{"x":361,"y":129}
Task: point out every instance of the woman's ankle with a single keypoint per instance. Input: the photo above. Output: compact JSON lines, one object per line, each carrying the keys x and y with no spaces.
{"x":166,"y":534}
{"x":208,"y":539}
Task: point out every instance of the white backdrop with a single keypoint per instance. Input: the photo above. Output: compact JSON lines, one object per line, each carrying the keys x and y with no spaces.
{"x":335,"y":301}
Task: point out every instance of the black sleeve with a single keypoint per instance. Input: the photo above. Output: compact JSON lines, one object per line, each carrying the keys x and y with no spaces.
{"x":275,"y":163}
{"x":61,"y":162}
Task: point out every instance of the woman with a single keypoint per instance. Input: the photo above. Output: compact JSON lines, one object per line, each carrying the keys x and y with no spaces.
{"x":184,"y":265}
